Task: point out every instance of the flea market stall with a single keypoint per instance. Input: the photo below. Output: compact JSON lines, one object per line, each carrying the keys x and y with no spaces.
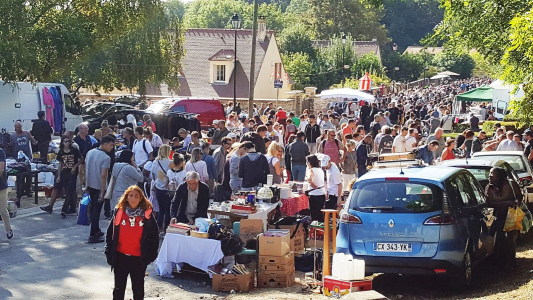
{"x":344,"y":100}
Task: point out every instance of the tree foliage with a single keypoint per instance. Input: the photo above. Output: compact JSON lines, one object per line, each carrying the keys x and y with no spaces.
{"x":461,"y":63}
{"x":367,"y":63}
{"x":410,"y":66}
{"x":107,"y":44}
{"x":332,"y":17}
{"x":296,"y":39}
{"x":300,"y":67}
{"x":409,"y":21}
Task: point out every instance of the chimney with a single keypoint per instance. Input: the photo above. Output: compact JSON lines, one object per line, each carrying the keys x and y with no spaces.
{"x":261,"y":29}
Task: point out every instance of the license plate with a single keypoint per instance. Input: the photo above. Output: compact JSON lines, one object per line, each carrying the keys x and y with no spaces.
{"x":393,"y":247}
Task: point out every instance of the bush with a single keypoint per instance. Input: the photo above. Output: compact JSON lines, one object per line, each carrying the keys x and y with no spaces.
{"x":514,"y":126}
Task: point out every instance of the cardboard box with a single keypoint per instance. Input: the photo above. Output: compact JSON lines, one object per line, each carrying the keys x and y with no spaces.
{"x":274,"y":246}
{"x":298,"y":242}
{"x":334,"y":287}
{"x":276,"y":264}
{"x":250,"y":228}
{"x":236,"y":282}
{"x":275,"y":280}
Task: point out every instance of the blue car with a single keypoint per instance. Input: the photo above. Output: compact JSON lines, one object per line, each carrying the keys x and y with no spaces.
{"x":425,"y":221}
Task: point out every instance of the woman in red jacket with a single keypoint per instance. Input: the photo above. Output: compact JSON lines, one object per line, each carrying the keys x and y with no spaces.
{"x":132,"y":242}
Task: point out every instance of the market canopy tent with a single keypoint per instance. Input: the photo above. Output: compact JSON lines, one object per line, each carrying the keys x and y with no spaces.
{"x":449,"y":73}
{"x":440,"y":76}
{"x":365,"y":83}
{"x":347,"y":93}
{"x":481,"y":94}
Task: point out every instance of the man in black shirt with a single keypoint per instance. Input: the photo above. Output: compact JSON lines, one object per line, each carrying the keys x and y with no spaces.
{"x":474,"y":123}
{"x":394,"y":113}
{"x":42,"y":133}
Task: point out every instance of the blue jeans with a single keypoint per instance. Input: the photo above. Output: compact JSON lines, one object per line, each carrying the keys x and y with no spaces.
{"x":163,"y":199}
{"x":298,"y":172}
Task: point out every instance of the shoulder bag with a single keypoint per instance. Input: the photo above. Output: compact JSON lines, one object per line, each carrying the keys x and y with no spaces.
{"x":111,"y":185}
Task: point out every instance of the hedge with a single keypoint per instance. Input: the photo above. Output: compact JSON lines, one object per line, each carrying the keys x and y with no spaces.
{"x":514,"y":126}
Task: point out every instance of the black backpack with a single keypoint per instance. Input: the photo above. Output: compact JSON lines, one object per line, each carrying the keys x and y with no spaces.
{"x":230,"y":243}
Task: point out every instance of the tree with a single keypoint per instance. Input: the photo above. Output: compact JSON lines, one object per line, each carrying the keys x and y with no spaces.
{"x":332,"y":17}
{"x":368,"y":62}
{"x":174,"y":9}
{"x":299,"y":67}
{"x":296,"y":39}
{"x":410,"y":66}
{"x":409,"y":21}
{"x":106,"y":44}
{"x":458,"y":63}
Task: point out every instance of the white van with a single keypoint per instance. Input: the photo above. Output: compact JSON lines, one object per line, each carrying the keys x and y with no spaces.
{"x":22,"y":101}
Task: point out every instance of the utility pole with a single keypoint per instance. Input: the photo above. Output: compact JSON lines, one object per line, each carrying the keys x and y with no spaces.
{"x":252,"y":67}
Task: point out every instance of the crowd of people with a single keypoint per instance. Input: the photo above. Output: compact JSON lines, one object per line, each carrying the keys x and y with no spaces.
{"x":142,"y":179}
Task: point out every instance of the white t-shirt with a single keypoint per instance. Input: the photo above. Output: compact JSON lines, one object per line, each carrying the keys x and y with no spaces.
{"x":302,"y":125}
{"x":399,"y":144}
{"x":409,"y":141}
{"x":176,"y":176}
{"x":142,"y":156}
{"x":508,"y":145}
{"x":334,"y":179}
{"x":318,"y":181}
{"x":200,"y":167}
{"x":274,"y":160}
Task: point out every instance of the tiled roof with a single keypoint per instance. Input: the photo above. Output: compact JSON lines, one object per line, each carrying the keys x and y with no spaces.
{"x":362,"y":47}
{"x":225,"y":54}
{"x":418,"y":49}
{"x":201,"y":45}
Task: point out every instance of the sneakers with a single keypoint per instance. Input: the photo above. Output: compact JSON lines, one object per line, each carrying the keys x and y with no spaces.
{"x":72,"y":213}
{"x":63,"y":215}
{"x":100,"y":234}
{"x":10,"y":235}
{"x":95,"y":239}
{"x":47,"y":209}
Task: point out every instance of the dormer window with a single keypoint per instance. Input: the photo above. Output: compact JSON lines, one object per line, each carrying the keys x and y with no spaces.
{"x":221,"y":67}
{"x":220,"y":75}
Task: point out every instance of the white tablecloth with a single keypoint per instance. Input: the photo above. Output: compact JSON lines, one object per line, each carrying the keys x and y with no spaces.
{"x":197,"y":252}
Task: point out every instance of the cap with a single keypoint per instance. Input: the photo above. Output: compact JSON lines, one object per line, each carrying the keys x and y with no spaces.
{"x":516,"y":134}
{"x":232,"y":135}
{"x":215,"y":122}
{"x":324,"y":161}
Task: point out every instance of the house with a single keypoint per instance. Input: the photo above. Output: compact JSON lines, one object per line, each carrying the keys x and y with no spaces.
{"x":361,"y":47}
{"x":418,"y":49}
{"x":209,"y":62}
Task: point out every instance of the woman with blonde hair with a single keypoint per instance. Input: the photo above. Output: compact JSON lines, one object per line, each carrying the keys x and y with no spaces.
{"x":273,"y":162}
{"x":197,"y":164}
{"x":154,"y":139}
{"x":132,"y":242}
{"x":160,"y":167}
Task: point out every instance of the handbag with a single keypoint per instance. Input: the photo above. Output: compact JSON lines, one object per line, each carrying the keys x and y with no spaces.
{"x":111,"y":185}
{"x":83,"y":218}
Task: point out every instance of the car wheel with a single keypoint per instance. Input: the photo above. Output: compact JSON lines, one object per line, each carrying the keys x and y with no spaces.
{"x":462,"y":279}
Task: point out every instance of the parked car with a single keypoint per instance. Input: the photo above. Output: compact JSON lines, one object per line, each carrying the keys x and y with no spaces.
{"x":481,"y":169}
{"x":518,"y":161}
{"x":207,"y":109}
{"x":97,"y":110}
{"x":425,"y":221}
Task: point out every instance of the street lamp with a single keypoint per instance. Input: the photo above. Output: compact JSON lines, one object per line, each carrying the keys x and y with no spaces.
{"x":343,"y":38}
{"x":394,"y":47}
{"x":235,"y":24}
{"x":394,"y":75}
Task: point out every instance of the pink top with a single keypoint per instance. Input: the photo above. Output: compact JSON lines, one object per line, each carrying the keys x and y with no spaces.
{"x":331,"y":150}
{"x":48,"y":101}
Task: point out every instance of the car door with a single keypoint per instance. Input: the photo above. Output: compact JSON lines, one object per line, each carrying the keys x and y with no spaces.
{"x":468,"y":212}
{"x":486,"y":214}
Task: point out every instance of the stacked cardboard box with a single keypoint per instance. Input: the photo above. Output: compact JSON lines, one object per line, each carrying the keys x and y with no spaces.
{"x":276,"y":261}
{"x":298,"y":241}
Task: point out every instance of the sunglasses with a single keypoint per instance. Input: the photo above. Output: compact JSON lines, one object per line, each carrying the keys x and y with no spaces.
{"x":66,"y":142}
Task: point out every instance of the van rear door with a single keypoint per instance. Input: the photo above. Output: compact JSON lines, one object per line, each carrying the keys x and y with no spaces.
{"x":30,"y":103}
{"x":10,"y":112}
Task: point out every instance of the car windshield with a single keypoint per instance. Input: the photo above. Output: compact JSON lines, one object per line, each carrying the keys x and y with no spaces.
{"x":396,"y":197}
{"x":159,"y":107}
{"x":515,"y":161}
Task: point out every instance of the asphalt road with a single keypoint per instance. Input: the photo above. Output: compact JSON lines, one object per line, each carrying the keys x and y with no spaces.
{"x":49,"y":258}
